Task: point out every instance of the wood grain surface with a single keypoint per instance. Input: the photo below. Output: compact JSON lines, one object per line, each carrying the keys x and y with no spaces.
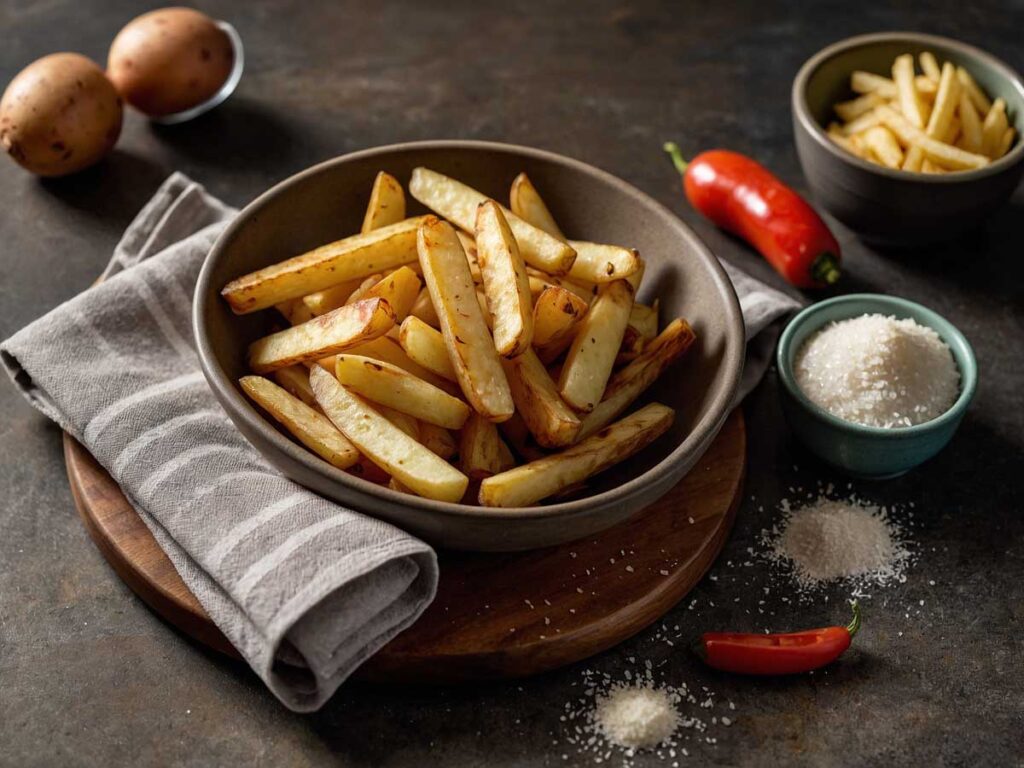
{"x":495,"y":615}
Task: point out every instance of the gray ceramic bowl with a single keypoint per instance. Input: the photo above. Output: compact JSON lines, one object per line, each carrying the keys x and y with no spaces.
{"x":872,"y":452}
{"x":327,"y":202}
{"x":897,"y":207}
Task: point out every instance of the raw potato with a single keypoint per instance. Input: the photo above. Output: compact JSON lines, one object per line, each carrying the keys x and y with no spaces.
{"x":390,"y":386}
{"x":425,"y":346}
{"x":353,"y":257}
{"x":470,"y":346}
{"x":506,"y":284}
{"x":527,"y":484}
{"x":458,"y":203}
{"x":386,"y":445}
{"x":597,"y":263}
{"x":59,"y":115}
{"x":295,"y":379}
{"x":592,"y":354}
{"x":481,"y":450}
{"x":387,"y":203}
{"x":548,"y":418}
{"x":310,"y":427}
{"x":527,"y":204}
{"x":326,"y":335}
{"x":399,"y":289}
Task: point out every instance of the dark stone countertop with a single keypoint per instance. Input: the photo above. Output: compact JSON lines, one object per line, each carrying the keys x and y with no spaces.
{"x":88,"y":676}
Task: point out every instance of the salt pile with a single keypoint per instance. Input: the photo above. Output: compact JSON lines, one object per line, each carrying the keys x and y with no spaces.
{"x":640,"y":717}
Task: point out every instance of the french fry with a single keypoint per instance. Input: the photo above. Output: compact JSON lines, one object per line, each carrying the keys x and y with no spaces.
{"x":517,"y":434}
{"x":850,"y":143}
{"x":1005,"y":143}
{"x":597,"y":263}
{"x":993,"y":127}
{"x":338,"y":330}
{"x":982,"y":103}
{"x":882,"y":144}
{"x":548,"y":418}
{"x":395,"y":388}
{"x":425,"y":346}
{"x":867,"y":82}
{"x":322,"y":302}
{"x":935,"y":151}
{"x":970,"y":123}
{"x":458,"y":203}
{"x":482,"y":452}
{"x":930,"y":66}
{"x":387,"y":203}
{"x":400,"y":289}
{"x":294,"y":311}
{"x":631,"y":382}
{"x":632,"y":345}
{"x":403,"y":421}
{"x":644,"y":319}
{"x":423,"y":308}
{"x":913,"y":159}
{"x":388,"y":350}
{"x":595,"y":346}
{"x":946,"y":101}
{"x":527,"y":484}
{"x":469,"y":246}
{"x":310,"y":427}
{"x":926,"y":88}
{"x":556,"y":314}
{"x":927,"y":166}
{"x":438,"y":439}
{"x":363,"y":287}
{"x":541,"y":280}
{"x":506,"y":284}
{"x":864,"y":122}
{"x":294,"y":379}
{"x":413,"y":465}
{"x":850,"y":110}
{"x":909,"y":99}
{"x":527,"y":204}
{"x":470,"y":346}
{"x":953,"y":132}
{"x":353,"y":257}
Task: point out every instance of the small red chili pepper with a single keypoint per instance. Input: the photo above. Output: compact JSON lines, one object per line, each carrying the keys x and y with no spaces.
{"x":780,"y":654}
{"x":743,"y":197}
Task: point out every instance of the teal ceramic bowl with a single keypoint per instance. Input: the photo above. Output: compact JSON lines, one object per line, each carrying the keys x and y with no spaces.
{"x":871,"y":452}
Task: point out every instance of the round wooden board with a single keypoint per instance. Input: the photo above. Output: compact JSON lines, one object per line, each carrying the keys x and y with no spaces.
{"x":495,"y":615}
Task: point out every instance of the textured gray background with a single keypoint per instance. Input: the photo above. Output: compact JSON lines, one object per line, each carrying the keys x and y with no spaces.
{"x":88,"y":676}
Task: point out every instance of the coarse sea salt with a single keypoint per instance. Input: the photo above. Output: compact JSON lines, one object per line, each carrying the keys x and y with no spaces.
{"x":878,"y":371}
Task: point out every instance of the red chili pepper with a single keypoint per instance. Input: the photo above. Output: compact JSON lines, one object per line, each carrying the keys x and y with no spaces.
{"x":781,"y":654}
{"x":743,"y":197}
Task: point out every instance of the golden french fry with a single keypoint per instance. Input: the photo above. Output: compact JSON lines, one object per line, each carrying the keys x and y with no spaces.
{"x":630,"y":382}
{"x":470,"y":346}
{"x":388,"y":350}
{"x":363,"y":287}
{"x":946,"y":101}
{"x":518,"y":436}
{"x":403,"y":421}
{"x":953,"y":132}
{"x":930,"y":66}
{"x":481,"y":450}
{"x":556,"y":313}
{"x":864,"y":122}
{"x":387,"y":203}
{"x":338,"y":330}
{"x":426,"y":347}
{"x":850,"y":143}
{"x":541,"y":280}
{"x":970,"y":124}
{"x":1005,"y":143}
{"x":423,"y":308}
{"x":910,"y":100}
{"x":595,"y":346}
{"x":413,"y":465}
{"x":982,"y":103}
{"x":866,"y":82}
{"x":913,"y":159}
{"x":882,"y":144}
{"x":469,"y":246}
{"x":935,"y":151}
{"x":597,"y":263}
{"x":993,"y":127}
{"x":527,"y":484}
{"x":458,"y":203}
{"x":353,"y":257}
{"x":644,"y":319}
{"x":395,"y":388}
{"x":506,"y":284}
{"x":850,"y":110}
{"x":632,"y":345}
{"x":310,"y":427}
{"x":526,"y":203}
{"x":926,"y":88}
{"x":321,"y":302}
{"x":295,"y":380}
{"x":294,"y":311}
{"x":400,"y":289}
{"x":548,"y":418}
{"x":438,"y":439}
{"x":927,"y":166}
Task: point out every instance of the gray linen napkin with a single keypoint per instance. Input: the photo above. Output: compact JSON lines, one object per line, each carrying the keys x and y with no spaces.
{"x":305,"y":590}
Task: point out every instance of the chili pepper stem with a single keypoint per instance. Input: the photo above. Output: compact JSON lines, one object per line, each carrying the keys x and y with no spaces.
{"x":854,"y":624}
{"x":825,"y":268}
{"x":677,"y":156}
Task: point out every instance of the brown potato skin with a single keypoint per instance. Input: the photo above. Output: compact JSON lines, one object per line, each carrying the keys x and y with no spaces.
{"x":59,"y":115}
{"x":169,"y":60}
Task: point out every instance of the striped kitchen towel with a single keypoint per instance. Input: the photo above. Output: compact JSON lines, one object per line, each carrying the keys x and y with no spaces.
{"x":305,"y":589}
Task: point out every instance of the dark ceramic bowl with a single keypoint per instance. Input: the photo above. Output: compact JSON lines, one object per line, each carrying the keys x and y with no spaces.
{"x":327,"y":202}
{"x":887,"y":206}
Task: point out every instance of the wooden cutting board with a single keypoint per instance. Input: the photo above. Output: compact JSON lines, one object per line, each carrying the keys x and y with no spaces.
{"x":495,"y":615}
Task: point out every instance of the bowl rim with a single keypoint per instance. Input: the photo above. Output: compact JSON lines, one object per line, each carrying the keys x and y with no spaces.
{"x":701,"y":433}
{"x":950,"y":333}
{"x":803,"y":113}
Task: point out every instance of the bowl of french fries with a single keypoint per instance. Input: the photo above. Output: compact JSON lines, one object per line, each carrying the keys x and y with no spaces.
{"x":910,"y":139}
{"x":493,"y":347}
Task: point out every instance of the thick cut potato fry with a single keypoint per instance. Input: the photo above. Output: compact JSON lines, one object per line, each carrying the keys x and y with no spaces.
{"x":644,"y":319}
{"x":850,"y":110}
{"x":982,"y":103}
{"x":506,"y":284}
{"x":518,"y":436}
{"x":597,"y":263}
{"x":482,"y":452}
{"x":393,"y":387}
{"x":403,"y":421}
{"x":310,"y":427}
{"x":541,"y":280}
{"x":939,"y":153}
{"x":399,"y":289}
{"x":867,"y":82}
{"x":993,"y":127}
{"x":363,"y":287}
{"x":883,"y":145}
{"x":930,"y":66}
{"x":530,"y":483}
{"x":1005,"y":143}
{"x":913,"y":159}
{"x":953,"y":132}
{"x":469,"y":246}
{"x":294,"y":311}
{"x":970,"y":124}
{"x":322,"y":302}
{"x":864,"y":122}
{"x":438,"y":439}
{"x":389,"y":350}
{"x":946,"y":101}
{"x":423,"y":308}
{"x":470,"y":346}
{"x":910,"y":100}
{"x":595,"y":347}
{"x":556,"y":313}
{"x":548,"y":418}
{"x":425,"y":346}
{"x":354,"y":257}
{"x":328,"y":334}
{"x":458,"y":203}
{"x":295,"y":380}
{"x":386,"y":445}
{"x":387,"y":203}
{"x":527,"y":204}
{"x":927,"y":166}
{"x":630,"y":382}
